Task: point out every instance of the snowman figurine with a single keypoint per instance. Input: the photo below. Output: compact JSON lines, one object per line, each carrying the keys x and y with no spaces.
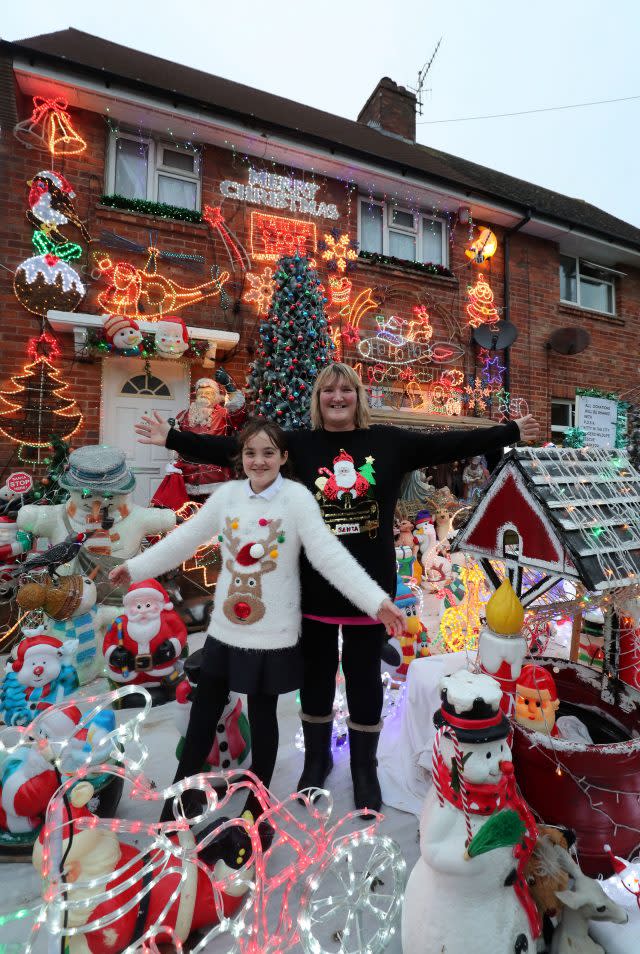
{"x":456,"y":903}
{"x":41,"y":670}
{"x":122,"y":334}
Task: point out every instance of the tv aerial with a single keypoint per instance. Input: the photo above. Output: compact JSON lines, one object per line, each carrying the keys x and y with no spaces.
{"x":422,"y":75}
{"x":569,"y":341}
{"x":497,"y":336}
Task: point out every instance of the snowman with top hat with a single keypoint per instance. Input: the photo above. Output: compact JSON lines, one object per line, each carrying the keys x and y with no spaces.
{"x":468,"y":891}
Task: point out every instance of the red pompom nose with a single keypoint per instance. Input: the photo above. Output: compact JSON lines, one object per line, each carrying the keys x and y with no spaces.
{"x":242,"y":610}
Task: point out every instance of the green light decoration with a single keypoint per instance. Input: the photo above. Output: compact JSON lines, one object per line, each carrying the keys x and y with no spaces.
{"x":95,"y":342}
{"x":574,"y":437}
{"x":157,"y":209}
{"x":428,"y":268}
{"x":44,"y":245}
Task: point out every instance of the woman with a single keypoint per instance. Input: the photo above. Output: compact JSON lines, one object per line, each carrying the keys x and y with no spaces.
{"x":355,"y":471}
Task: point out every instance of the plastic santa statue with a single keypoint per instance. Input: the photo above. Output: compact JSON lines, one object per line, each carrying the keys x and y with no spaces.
{"x":208,"y":413}
{"x":143,"y":646}
{"x":536,"y":705}
{"x":100,"y":486}
{"x":100,"y":867}
{"x":463,"y":896}
{"x":122,"y":334}
{"x":502,"y":648}
{"x":13,"y":543}
{"x":41,"y":670}
{"x":171,"y":337}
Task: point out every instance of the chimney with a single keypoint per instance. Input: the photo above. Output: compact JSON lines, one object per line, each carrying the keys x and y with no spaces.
{"x":391,"y":109}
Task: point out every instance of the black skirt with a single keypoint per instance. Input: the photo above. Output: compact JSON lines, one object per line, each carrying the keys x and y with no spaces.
{"x":271,"y":671}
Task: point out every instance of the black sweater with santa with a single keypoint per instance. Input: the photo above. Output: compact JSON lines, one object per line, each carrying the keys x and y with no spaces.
{"x":355,"y":476}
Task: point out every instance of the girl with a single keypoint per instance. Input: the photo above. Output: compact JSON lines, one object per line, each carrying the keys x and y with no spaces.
{"x":253,"y":646}
{"x":356,"y":471}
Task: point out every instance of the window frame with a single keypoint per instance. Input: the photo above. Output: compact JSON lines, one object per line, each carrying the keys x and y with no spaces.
{"x":417,"y":232}
{"x":578,"y":304}
{"x":562,"y":428}
{"x":155,"y":168}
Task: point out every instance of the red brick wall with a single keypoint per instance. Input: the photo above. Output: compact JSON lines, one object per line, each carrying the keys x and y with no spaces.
{"x":537,"y":375}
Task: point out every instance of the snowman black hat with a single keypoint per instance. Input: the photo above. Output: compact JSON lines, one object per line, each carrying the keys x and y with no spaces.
{"x":471,"y":707}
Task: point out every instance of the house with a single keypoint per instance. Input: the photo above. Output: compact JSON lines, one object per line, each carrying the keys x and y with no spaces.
{"x":180,"y":177}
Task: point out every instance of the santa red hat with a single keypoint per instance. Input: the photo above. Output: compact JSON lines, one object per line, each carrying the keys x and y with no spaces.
{"x":171,"y":325}
{"x":250,"y":553}
{"x":69,"y":712}
{"x":28,"y":646}
{"x":537,"y":678}
{"x":112,"y":324}
{"x":618,"y":864}
{"x":138,"y":591}
{"x":343,"y":456}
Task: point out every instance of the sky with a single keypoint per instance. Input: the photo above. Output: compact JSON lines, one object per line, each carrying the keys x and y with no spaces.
{"x":499,"y":56}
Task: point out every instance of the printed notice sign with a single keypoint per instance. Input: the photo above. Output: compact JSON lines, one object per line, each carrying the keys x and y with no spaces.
{"x":597,"y":418}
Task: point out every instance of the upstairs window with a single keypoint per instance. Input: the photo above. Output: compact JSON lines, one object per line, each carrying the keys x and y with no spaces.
{"x":387,"y":229}
{"x":150,"y":169}
{"x":587,"y":285}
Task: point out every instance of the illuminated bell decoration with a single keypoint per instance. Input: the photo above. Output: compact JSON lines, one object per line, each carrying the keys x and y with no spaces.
{"x":504,"y":611}
{"x":482,"y":248}
{"x":50,"y":128}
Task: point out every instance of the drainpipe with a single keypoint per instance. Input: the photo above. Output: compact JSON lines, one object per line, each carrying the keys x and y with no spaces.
{"x":506,"y":292}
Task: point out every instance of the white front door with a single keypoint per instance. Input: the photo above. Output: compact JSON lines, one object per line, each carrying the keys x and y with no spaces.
{"x":128,"y":393}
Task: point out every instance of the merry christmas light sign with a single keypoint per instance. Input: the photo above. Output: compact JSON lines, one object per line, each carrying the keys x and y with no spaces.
{"x":279,"y":192}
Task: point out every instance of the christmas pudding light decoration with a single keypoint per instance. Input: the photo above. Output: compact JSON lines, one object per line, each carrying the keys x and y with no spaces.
{"x":38,"y":409}
{"x":49,"y":127}
{"x":480,"y":309}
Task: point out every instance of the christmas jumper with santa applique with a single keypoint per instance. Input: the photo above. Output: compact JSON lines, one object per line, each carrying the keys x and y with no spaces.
{"x":356,"y":477}
{"x":257,"y":600}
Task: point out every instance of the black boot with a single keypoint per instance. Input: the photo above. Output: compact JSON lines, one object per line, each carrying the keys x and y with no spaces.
{"x":318,"y":760}
{"x":363,"y":745}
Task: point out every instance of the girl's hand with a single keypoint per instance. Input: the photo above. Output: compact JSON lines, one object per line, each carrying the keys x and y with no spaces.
{"x":152,"y":430}
{"x":120,"y":576}
{"x":529,"y":428}
{"x":392,"y":617}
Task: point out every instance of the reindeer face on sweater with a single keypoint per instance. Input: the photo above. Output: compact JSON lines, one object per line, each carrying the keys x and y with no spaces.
{"x":250,"y":560}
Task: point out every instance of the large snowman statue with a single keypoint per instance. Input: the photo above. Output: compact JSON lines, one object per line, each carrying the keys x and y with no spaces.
{"x":455,"y":904}
{"x":100,"y":486}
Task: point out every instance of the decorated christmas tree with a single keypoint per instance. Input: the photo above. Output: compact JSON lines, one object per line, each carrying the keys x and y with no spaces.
{"x":37,"y":409}
{"x":294,"y":345}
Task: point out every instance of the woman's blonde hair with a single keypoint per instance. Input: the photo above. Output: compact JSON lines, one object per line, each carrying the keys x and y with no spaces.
{"x":347,"y":374}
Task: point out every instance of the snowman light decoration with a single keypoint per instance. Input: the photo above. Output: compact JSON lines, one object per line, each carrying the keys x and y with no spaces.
{"x":460,"y":897}
{"x":171,"y":337}
{"x":122,"y":334}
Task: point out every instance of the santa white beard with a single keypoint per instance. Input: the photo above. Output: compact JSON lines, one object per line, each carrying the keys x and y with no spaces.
{"x":347,"y":479}
{"x":200,"y":413}
{"x":143,"y":632}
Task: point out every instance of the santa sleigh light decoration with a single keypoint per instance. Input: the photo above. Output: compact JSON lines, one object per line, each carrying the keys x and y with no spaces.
{"x":554,"y":514}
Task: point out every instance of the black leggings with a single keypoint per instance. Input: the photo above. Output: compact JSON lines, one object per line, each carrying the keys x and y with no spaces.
{"x":361,"y":648}
{"x":210,"y":699}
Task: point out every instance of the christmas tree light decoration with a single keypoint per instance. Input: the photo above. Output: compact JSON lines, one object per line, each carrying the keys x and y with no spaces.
{"x":38,"y":410}
{"x":273,"y":236}
{"x":261,"y":289}
{"x":339,"y":252}
{"x":50,"y":128}
{"x":482,"y":248}
{"x":237,"y":253}
{"x":480,"y":308}
{"x":146,"y":294}
{"x":295,"y":344}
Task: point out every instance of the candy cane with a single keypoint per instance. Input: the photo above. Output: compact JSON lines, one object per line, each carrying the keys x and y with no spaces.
{"x":457,"y":754}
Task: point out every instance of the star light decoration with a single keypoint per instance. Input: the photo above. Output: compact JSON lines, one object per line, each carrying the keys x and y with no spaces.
{"x":350,"y":335}
{"x":492,"y":370}
{"x":261,"y":290}
{"x":338,"y":251}
{"x":476,"y":394}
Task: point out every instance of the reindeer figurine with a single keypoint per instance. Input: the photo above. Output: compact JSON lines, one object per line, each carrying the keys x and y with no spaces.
{"x":585,"y":901}
{"x":243,"y":603}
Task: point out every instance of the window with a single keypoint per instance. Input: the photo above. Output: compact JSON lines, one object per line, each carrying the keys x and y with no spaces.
{"x":563,"y":416}
{"x":153,"y":170}
{"x":387,"y":229}
{"x":146,"y":385}
{"x":588,"y":285}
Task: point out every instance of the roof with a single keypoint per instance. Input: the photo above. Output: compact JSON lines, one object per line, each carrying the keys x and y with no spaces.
{"x":74,"y":48}
{"x":577,"y":515}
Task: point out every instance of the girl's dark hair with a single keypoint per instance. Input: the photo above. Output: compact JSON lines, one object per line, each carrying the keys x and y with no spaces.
{"x":261,"y":425}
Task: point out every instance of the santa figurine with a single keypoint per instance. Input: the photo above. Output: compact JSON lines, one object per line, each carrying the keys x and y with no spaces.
{"x":42,"y":670}
{"x":537,"y":703}
{"x":171,"y":337}
{"x":209,"y":413}
{"x":462,"y":895}
{"x":345,"y":482}
{"x":13,"y":543}
{"x":144,"y":644}
{"x":173,"y":899}
{"x":122,"y":334}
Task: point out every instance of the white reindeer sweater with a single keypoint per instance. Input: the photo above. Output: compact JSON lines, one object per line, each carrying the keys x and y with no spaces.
{"x":257,"y":599}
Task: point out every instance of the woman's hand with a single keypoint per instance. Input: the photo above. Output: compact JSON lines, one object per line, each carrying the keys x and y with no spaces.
{"x":529,"y":428}
{"x":120,"y":576}
{"x":152,"y":430}
{"x":392,"y":617}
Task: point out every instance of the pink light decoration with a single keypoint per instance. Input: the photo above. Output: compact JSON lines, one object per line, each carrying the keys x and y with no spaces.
{"x":236,"y":251}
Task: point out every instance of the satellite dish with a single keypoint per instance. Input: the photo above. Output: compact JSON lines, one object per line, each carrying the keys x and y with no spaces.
{"x":569,"y":340}
{"x":501,"y":334}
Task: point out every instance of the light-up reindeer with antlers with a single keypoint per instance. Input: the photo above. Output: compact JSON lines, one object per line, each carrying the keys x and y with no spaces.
{"x":243,"y":603}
